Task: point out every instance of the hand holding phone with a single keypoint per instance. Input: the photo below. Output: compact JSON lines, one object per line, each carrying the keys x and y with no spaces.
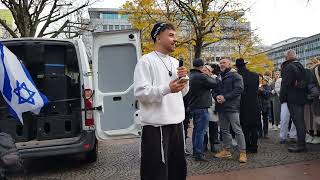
{"x":183,"y":79}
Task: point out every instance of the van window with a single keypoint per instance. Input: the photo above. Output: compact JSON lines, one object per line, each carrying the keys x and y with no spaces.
{"x":116,"y":65}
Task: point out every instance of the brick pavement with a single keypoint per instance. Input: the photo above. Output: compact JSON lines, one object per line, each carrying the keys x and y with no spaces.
{"x":119,"y":160}
{"x":298,"y":171}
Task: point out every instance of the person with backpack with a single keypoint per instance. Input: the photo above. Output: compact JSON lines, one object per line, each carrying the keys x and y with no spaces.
{"x":293,"y":92}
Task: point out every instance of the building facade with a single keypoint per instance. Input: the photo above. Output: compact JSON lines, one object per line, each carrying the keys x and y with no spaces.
{"x":105,"y":19}
{"x":306,"y":48}
{"x":224,"y":48}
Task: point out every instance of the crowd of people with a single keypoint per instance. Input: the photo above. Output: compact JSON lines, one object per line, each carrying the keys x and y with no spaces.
{"x":228,"y":105}
{"x":288,"y":100}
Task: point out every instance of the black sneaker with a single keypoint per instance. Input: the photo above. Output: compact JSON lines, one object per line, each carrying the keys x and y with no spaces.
{"x":282,"y":141}
{"x":297,"y":148}
{"x":200,"y":158}
{"x":252,"y":150}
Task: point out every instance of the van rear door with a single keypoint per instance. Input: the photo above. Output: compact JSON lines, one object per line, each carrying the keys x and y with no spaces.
{"x":115,"y":55}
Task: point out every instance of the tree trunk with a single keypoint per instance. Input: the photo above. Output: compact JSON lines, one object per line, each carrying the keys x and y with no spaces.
{"x":198,"y":49}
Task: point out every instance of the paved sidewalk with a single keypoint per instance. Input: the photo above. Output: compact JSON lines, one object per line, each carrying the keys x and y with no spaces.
{"x":120,"y":160}
{"x":309,"y":170}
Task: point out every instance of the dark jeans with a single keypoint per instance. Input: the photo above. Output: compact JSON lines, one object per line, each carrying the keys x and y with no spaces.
{"x":153,"y":167}
{"x":297,"y":116}
{"x":200,"y":125}
{"x":213,"y":135}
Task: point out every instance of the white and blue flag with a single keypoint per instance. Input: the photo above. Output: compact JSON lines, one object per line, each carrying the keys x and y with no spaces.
{"x":17,"y":86}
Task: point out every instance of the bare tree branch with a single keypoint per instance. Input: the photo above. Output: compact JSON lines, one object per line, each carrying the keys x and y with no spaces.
{"x":4,"y":24}
{"x":65,"y":24}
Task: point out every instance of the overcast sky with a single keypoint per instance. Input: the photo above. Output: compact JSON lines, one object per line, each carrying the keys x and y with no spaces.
{"x":275,"y":20}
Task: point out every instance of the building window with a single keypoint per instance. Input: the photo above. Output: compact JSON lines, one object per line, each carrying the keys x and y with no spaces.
{"x":116,"y":27}
{"x":105,"y":27}
{"x":112,"y":16}
{"x":94,"y":15}
{"x":111,"y":27}
{"x":128,"y":27}
{"x":124,"y":16}
{"x":122,"y":27}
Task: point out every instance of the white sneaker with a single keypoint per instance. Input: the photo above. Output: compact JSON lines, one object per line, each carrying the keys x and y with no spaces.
{"x":309,"y":138}
{"x":316,"y":140}
{"x":274,"y":128}
{"x":234,"y":142}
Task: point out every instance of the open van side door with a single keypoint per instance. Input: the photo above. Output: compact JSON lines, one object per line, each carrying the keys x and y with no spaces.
{"x":115,"y":55}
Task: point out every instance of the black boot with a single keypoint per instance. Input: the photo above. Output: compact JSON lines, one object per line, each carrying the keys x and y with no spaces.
{"x":201,"y":158}
{"x":213,"y":148}
{"x":294,"y":148}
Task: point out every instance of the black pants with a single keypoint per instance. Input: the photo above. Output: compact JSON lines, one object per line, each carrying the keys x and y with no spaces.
{"x":213,"y":135}
{"x":152,"y":166}
{"x":251,"y":135}
{"x":265,"y":119}
{"x":259,"y":126}
{"x":297,"y":116}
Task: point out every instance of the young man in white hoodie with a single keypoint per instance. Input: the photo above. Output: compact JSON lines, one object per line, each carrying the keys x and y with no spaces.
{"x":160,"y":93}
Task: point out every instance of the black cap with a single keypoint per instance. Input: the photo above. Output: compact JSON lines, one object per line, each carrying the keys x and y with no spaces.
{"x":240,"y":62}
{"x":198,"y":63}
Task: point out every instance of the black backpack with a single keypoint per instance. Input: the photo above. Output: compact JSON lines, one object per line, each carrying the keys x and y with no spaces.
{"x":302,"y":81}
{"x":306,"y":81}
{"x":9,"y":155}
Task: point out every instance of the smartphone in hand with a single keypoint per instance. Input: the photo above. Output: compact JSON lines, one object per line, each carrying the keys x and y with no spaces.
{"x":183,"y":79}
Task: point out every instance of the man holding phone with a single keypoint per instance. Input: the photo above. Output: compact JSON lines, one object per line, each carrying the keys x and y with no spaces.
{"x":160,"y":93}
{"x":199,"y":103}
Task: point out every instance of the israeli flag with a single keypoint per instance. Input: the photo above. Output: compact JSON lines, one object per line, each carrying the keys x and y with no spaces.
{"x":17,"y":86}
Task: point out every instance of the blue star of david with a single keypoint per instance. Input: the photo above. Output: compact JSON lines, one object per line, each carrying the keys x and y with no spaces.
{"x":22,"y":100}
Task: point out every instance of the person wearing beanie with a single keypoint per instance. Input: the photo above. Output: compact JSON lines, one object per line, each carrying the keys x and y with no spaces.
{"x":249,"y":111}
{"x":160,"y":95}
{"x":200,"y":99}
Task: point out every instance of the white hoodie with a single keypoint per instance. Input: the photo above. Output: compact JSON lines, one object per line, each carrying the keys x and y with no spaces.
{"x":158,"y":106}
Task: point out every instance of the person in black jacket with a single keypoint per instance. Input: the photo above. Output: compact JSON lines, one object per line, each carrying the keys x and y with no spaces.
{"x":293,"y":92}
{"x":249,"y":110}
{"x":264,"y":93}
{"x":228,"y":97}
{"x":200,"y":99}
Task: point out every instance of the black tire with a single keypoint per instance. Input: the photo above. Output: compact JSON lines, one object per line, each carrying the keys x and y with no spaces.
{"x":91,"y":156}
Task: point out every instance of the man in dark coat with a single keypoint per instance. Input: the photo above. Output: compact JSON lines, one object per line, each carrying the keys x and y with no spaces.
{"x":200,"y":99}
{"x":249,"y":111}
{"x":293,"y":92}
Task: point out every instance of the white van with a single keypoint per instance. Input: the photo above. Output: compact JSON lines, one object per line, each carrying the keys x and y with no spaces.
{"x":84,"y":104}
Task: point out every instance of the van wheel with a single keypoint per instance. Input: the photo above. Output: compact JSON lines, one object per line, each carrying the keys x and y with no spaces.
{"x":91,"y":156}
